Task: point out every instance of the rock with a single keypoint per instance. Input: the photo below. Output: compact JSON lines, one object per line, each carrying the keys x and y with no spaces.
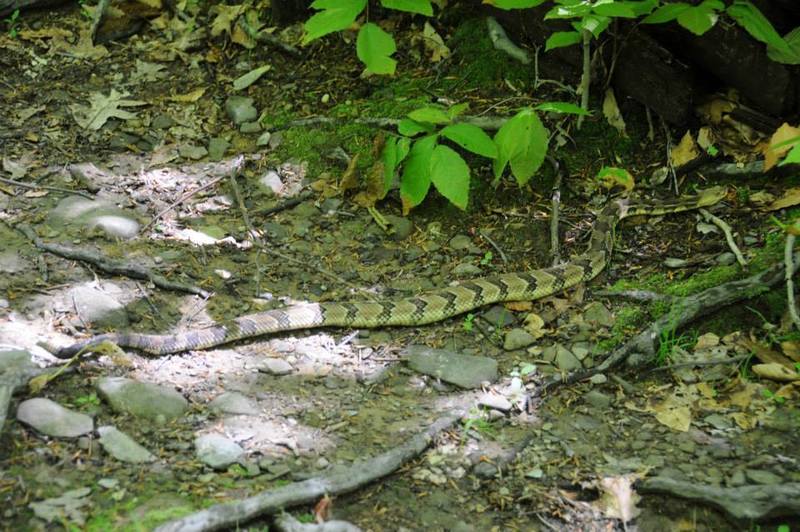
{"x":725,"y":259}
{"x":762,"y":476}
{"x":250,"y":127}
{"x":190,"y":151}
{"x":462,"y":370}
{"x":123,"y":447}
{"x":233,"y":403}
{"x":598,"y":315}
{"x":115,"y":226}
{"x":495,"y":401}
{"x":95,"y":307}
{"x":52,"y":419}
{"x":403,"y":227}
{"x":217,"y":451}
{"x":499,"y":316}
{"x":565,"y":360}
{"x":598,"y":399}
{"x":264,"y":139}
{"x":460,"y":242}
{"x":517,"y":338}
{"x":272,"y":182}
{"x":73,"y":207}
{"x":598,"y":378}
{"x":240,"y":109}
{"x":276,"y":366}
{"x":142,"y":399}
{"x":12,"y":262}
{"x":216,"y":148}
{"x":466,"y":269}
{"x":581,"y":350}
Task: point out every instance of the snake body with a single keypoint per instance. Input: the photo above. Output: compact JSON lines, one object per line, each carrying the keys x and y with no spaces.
{"x":427,"y":307}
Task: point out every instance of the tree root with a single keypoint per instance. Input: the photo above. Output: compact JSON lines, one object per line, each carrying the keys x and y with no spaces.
{"x":336,"y":482}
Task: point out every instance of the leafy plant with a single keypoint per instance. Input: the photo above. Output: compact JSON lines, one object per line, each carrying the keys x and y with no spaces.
{"x":12,"y":21}
{"x":668,"y":342}
{"x":487,"y":258}
{"x":520,"y":143}
{"x":468,"y":324}
{"x":769,"y":394}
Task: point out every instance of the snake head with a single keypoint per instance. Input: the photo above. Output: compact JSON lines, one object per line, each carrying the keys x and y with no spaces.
{"x":710,"y":196}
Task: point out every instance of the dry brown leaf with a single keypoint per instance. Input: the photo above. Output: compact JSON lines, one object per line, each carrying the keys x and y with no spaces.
{"x":674,"y":413}
{"x":618,"y":499}
{"x":775,"y":372}
{"x":518,"y":306}
{"x":685,"y":151}
{"x":612,"y":113}
{"x":765,"y":354}
{"x":790,"y":198}
{"x":189,"y":97}
{"x":772,"y":155}
{"x":791,"y":350}
{"x":534,"y":324}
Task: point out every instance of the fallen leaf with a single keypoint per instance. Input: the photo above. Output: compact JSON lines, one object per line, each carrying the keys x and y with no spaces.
{"x":775,"y":372}
{"x":618,"y":499}
{"x":434,"y":44}
{"x":790,"y":198}
{"x":189,"y":97}
{"x":612,"y":113}
{"x":685,"y":151}
{"x":534,"y":324}
{"x":101,"y":108}
{"x":773,"y":150}
{"x":673,"y":413}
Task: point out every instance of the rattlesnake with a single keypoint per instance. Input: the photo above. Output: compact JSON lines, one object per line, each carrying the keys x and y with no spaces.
{"x":427,"y":307}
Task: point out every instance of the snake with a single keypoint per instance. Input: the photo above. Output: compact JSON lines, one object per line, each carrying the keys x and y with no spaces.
{"x":427,"y":307}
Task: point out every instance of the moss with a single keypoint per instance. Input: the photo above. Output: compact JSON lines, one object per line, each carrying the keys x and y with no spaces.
{"x":629,"y":320}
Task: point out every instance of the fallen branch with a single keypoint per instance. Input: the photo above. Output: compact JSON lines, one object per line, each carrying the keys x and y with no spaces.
{"x":789,"y":268}
{"x":114,"y":267}
{"x":44,"y":187}
{"x":744,"y":502}
{"x":336,"y":482}
{"x":682,"y":312}
{"x":728,"y":235}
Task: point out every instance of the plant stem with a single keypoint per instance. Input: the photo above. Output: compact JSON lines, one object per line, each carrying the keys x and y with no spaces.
{"x":586,"y":76}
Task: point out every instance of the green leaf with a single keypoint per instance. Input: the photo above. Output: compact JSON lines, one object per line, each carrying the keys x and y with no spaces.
{"x":559,"y":39}
{"x":615,"y":10}
{"x":792,"y":40}
{"x":410,"y":128}
{"x":416,"y":178}
{"x":514,"y":4}
{"x":562,"y":107}
{"x":698,"y":20}
{"x":594,"y":24}
{"x":336,"y":15}
{"x":757,"y":25}
{"x":373,"y":47}
{"x":457,"y":110}
{"x":450,"y":175}
{"x":431,"y":115}
{"x":569,"y":11}
{"x":666,"y":13}
{"x":422,"y":7}
{"x":643,"y":7}
{"x":472,"y":138}
{"x":793,"y":157}
{"x":522,"y":142}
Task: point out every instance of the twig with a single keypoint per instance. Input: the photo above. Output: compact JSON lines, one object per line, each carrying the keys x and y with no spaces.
{"x":635,"y":295}
{"x":492,"y":243}
{"x":789,"y":265}
{"x":682,"y":312}
{"x":701,"y":363}
{"x":555,"y":200}
{"x":586,"y":76}
{"x":336,"y":482}
{"x":134,"y":271}
{"x":45,"y":187}
{"x":288,"y":204}
{"x":181,"y":200}
{"x":728,"y":235}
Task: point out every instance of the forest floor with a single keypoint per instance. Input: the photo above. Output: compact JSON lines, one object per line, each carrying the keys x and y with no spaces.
{"x":146,"y":131}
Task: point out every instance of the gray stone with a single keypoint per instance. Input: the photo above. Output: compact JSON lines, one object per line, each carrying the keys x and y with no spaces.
{"x":403,"y":227}
{"x":250,"y":127}
{"x":73,"y":207}
{"x":217,"y":451}
{"x":240,"y":109}
{"x":598,"y":399}
{"x":598,"y":378}
{"x":12,"y":262}
{"x":217,"y":147}
{"x":162,"y":121}
{"x":95,"y":307}
{"x":123,"y":447}
{"x":499,"y":316}
{"x":276,"y":366}
{"x":517,"y":338}
{"x":460,"y":242}
{"x":265,"y":138}
{"x":142,"y":399}
{"x":462,"y":370}
{"x":598,"y":315}
{"x":581,"y":350}
{"x":762,"y":476}
{"x":272,"y":182}
{"x":233,"y":403}
{"x":190,"y":151}
{"x":52,"y":419}
{"x":565,"y":360}
{"x":495,"y":401}
{"x":466,"y":269}
{"x":115,"y":226}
